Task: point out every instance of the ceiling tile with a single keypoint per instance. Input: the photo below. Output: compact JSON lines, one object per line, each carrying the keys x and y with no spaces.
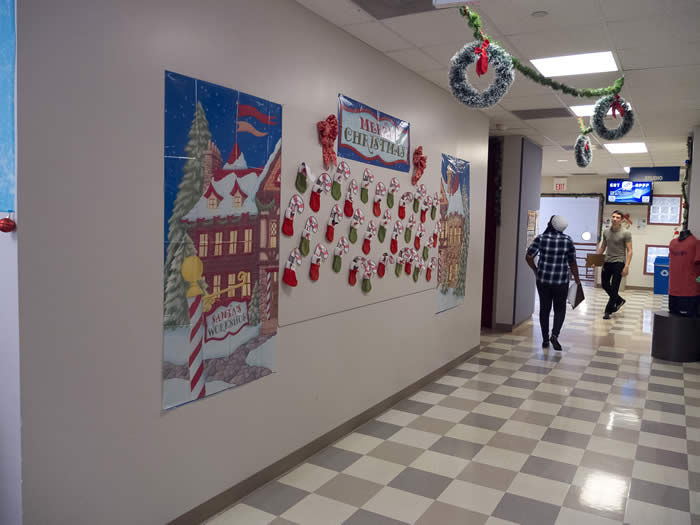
{"x":653,"y":55}
{"x":631,"y":9}
{"x":444,"y":52}
{"x":532,"y":102}
{"x":338,"y":12}
{"x":377,"y":36}
{"x":673,"y":28}
{"x":441,"y":26}
{"x":391,"y":8}
{"x":415,"y":59}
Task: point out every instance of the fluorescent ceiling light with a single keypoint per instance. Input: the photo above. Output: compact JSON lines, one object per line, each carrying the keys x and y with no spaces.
{"x":626,"y":147}
{"x":627,"y":169}
{"x":575,"y":64}
{"x":587,"y":110}
{"x":562,"y":160}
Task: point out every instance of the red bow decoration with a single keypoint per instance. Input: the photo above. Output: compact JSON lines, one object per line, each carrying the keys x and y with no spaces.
{"x":327,"y":133}
{"x":482,"y":65}
{"x":420,"y":161}
{"x":587,"y":147}
{"x":617,"y":106}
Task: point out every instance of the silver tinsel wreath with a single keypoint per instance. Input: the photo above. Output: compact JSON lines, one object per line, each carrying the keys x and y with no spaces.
{"x":583,"y":155}
{"x":499,"y":59}
{"x":598,"y":119}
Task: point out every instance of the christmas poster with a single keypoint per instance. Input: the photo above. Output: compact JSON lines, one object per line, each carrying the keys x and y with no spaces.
{"x":453,"y":245}
{"x":221,"y":255}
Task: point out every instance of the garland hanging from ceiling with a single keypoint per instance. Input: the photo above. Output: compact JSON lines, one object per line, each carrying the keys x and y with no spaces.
{"x":484,"y":51}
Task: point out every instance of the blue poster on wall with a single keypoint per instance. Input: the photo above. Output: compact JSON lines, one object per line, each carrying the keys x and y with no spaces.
{"x":370,"y":136}
{"x":7,"y":105}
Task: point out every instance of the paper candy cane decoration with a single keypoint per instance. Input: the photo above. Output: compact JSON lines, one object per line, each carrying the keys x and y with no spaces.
{"x":427,"y":203}
{"x":386,"y":220}
{"x":406,"y":256}
{"x":322,"y":185}
{"x":400,"y":259}
{"x":296,"y":206}
{"x":350,"y":197}
{"x":341,"y":172}
{"x":310,"y":228}
{"x":436,"y":233}
{"x":404,"y":201}
{"x":369,"y":235}
{"x":367,"y":180}
{"x":421,"y":192}
{"x":408,"y":232}
{"x":430,"y":268}
{"x":386,"y":259}
{"x":320,"y":255}
{"x":394,"y":186}
{"x":369,"y":268}
{"x":434,"y":205}
{"x":333,"y":220}
{"x":341,"y":249}
{"x":398,"y":230}
{"x":304,"y":176}
{"x":379,"y":193}
{"x":358,"y":219}
{"x":420,"y":266}
{"x":354,"y":267}
{"x":420,"y":232}
{"x":290,"y":274}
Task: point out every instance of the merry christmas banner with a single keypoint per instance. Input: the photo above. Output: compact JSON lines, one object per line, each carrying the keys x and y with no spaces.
{"x":372,"y":137}
{"x":222,"y":200}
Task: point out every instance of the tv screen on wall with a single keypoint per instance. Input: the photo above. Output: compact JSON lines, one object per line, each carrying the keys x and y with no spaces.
{"x":624,"y":191}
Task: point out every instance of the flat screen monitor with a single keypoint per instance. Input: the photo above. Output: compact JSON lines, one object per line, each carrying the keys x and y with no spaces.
{"x":624,"y":191}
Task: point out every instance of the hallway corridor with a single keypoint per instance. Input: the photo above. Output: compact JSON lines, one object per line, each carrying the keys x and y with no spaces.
{"x":599,"y":434}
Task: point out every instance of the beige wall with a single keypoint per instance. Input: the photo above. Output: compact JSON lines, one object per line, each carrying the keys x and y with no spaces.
{"x":97,"y":448}
{"x":649,"y":235}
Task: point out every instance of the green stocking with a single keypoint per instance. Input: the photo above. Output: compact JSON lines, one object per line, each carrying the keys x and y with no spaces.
{"x":335,"y":190}
{"x":416,"y":205}
{"x":390,"y":200}
{"x":397,"y":269}
{"x":364,"y":195}
{"x":425,"y":253}
{"x":381,"y":233}
{"x":366,"y":285}
{"x":301,"y":182}
{"x":352,"y":236}
{"x":433,"y":211}
{"x":304,"y":246}
{"x":416,"y":271}
{"x":407,"y":235}
{"x":337,"y":263}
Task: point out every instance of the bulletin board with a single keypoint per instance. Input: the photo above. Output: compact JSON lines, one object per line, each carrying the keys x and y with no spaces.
{"x":665,"y":210}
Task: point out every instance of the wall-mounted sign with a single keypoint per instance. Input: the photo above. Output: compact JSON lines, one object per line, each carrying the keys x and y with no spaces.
{"x":7,"y":108}
{"x":370,"y":136}
{"x":560,"y":184}
{"x":665,"y":173}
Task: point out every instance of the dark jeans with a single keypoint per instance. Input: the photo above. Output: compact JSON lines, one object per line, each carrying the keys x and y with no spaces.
{"x":611,"y":277}
{"x":552,"y":294}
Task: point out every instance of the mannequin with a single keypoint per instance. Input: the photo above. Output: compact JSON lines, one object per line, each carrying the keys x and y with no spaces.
{"x":684,"y":287}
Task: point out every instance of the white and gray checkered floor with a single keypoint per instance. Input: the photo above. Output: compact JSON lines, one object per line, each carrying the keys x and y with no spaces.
{"x":599,"y":434}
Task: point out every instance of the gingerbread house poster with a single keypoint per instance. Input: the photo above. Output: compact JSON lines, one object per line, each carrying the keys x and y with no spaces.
{"x":221,"y":255}
{"x":453,"y":247}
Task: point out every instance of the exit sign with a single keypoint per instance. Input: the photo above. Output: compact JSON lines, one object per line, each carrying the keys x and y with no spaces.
{"x":559,"y":185}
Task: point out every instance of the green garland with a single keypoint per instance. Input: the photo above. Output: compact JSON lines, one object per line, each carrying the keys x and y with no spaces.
{"x":582,"y":128}
{"x":474,"y":22}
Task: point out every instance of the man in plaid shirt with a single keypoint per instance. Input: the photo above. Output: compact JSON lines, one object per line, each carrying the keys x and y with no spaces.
{"x":557,"y":255}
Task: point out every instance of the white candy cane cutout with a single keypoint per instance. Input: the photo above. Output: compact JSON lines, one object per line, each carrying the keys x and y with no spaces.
{"x":369,"y":268}
{"x":333,"y":220}
{"x":322,"y":185}
{"x":379,"y":192}
{"x":358,"y":219}
{"x":320,"y":254}
{"x":350,"y":197}
{"x":430,"y":268}
{"x":427,"y":203}
{"x":404,"y":201}
{"x":341,"y":249}
{"x":342,"y":171}
{"x":420,"y":232}
{"x":396,"y":232}
{"x":296,"y":206}
{"x":386,"y":219}
{"x":406,"y":258}
{"x":354,"y":267}
{"x":310,"y":228}
{"x":367,"y":178}
{"x":436,"y":233}
{"x":290,"y":275}
{"x":385,"y":260}
{"x":394,"y":185}
{"x":369,"y":235}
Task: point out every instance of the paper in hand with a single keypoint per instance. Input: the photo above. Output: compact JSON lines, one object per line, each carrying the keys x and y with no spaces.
{"x":576,"y":296}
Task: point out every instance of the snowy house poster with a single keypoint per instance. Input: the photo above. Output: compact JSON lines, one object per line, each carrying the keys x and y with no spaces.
{"x":453,"y":247}
{"x":221,"y":254}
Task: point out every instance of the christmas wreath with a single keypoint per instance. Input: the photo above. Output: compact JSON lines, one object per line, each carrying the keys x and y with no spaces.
{"x":601,"y":109}
{"x":583,"y":151}
{"x":486,"y":53}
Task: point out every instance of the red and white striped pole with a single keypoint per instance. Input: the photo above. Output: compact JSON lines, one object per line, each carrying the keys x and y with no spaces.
{"x":268,"y":295}
{"x":192,"y":269}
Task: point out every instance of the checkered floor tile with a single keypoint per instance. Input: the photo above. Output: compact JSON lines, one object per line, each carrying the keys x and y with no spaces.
{"x":598,"y":434}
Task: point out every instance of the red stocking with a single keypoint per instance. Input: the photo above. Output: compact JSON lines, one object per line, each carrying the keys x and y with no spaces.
{"x":348,"y":208}
{"x":381,"y":269}
{"x":377,"y":209}
{"x":416,"y":243}
{"x":315,"y":202}
{"x":407,"y":268}
{"x":422,"y":214}
{"x":428,"y":274}
{"x":394,"y":246}
{"x":330,"y":232}
{"x":290,"y":277}
{"x":366,"y":246}
{"x":288,"y":226}
{"x":402,"y":212}
{"x":313,"y":271}
{"x":352,"y":277}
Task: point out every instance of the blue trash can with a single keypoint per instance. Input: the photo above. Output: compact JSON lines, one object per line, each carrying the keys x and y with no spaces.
{"x":661,"y":269}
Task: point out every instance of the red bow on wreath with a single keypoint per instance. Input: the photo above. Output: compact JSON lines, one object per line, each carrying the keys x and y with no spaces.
{"x":617,"y":106}
{"x":327,"y":133}
{"x":587,"y":147}
{"x":482,"y":65}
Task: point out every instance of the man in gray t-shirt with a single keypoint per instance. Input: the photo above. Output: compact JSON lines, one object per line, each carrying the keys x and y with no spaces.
{"x":617,"y":246}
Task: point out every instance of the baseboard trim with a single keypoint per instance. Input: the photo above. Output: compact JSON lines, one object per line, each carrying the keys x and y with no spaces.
{"x":629,"y":287}
{"x":225,"y":499}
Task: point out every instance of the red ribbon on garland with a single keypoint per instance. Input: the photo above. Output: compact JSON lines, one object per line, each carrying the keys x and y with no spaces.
{"x":482,"y":65}
{"x":327,"y":133}
{"x":617,"y":106}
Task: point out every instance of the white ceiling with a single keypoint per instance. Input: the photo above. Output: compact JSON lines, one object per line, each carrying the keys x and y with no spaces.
{"x":655,"y":42}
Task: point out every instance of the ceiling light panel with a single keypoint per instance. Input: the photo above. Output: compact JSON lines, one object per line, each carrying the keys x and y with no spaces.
{"x":570,"y":65}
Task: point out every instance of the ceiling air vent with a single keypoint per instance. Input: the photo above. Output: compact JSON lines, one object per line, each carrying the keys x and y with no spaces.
{"x":381,"y":9}
{"x":533,"y":114}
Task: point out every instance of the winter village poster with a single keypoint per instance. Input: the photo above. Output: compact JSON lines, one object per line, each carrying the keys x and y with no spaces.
{"x":221,"y":255}
{"x":453,"y":247}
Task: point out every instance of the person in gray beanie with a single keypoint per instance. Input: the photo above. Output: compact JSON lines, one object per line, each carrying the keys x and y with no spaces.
{"x":557,"y":255}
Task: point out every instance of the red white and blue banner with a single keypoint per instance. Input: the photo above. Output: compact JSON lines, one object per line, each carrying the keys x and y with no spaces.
{"x":370,"y":136}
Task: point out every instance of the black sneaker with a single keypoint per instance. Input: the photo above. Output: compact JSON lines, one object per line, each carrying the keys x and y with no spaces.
{"x":606,"y":316}
{"x":620,"y":304}
{"x":555,"y":343}
{"x":545,"y":344}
